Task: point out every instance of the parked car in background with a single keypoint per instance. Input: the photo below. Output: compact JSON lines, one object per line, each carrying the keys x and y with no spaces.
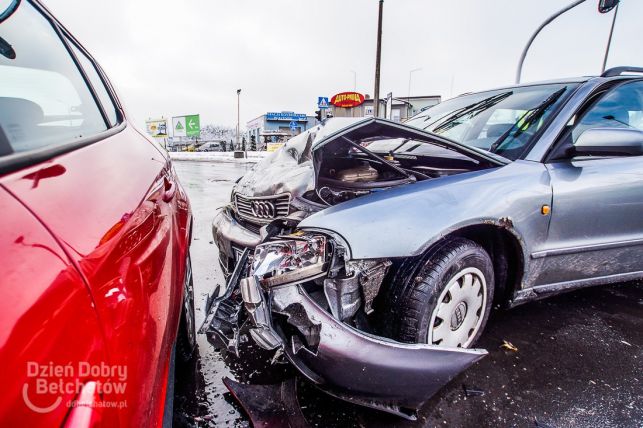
{"x":96,"y":284}
{"x":371,"y":252}
{"x":211,"y":146}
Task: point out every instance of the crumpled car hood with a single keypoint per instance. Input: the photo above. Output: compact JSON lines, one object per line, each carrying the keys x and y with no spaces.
{"x":290,"y":169}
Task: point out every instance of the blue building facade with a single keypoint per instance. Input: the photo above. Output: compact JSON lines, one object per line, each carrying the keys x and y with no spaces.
{"x":278,"y":127}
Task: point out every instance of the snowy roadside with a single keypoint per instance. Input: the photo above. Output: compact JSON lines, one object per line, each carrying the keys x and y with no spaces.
{"x":253,"y":157}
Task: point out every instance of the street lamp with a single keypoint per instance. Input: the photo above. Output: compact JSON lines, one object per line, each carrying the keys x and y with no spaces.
{"x":378,"y":58}
{"x":604,"y":6}
{"x":239,"y":120}
{"x":533,"y":36}
{"x":408,"y":99}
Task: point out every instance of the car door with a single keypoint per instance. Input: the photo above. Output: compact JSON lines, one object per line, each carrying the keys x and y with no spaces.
{"x":106,"y":193}
{"x":596,"y":229}
{"x":47,"y":324}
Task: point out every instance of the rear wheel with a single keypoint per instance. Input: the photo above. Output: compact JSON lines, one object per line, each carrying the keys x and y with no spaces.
{"x":448,"y":299}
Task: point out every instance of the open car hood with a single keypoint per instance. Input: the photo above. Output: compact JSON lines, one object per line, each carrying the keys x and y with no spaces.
{"x":291,"y":170}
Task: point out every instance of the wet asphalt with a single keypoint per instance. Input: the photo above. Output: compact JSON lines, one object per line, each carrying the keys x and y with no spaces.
{"x":577,"y":359}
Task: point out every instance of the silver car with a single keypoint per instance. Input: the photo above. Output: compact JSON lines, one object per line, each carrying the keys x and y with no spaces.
{"x":371,"y":252}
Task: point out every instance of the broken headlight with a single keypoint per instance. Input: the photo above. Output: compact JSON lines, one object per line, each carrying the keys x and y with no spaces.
{"x":295,"y":259}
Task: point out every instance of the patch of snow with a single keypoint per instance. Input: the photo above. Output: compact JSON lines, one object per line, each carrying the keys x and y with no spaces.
{"x":253,"y":157}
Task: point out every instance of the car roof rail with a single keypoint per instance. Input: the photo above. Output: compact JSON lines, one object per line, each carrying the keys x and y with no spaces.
{"x":617,"y":71}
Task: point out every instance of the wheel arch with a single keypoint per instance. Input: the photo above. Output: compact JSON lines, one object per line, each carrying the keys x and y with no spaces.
{"x":505,"y":249}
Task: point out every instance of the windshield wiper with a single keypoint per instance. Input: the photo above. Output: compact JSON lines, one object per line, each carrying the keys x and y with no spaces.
{"x":450,"y":121}
{"x":528,"y":118}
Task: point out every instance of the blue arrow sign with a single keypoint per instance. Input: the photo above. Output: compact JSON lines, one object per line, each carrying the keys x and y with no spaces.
{"x":294,"y":125}
{"x":322,"y":102}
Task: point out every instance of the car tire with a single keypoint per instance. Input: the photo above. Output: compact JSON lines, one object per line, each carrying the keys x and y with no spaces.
{"x":447,"y":299}
{"x":186,"y":337}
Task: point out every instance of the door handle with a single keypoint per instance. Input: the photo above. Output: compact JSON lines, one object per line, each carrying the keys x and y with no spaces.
{"x":169,"y":187}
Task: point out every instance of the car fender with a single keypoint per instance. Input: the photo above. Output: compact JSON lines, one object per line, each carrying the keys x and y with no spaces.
{"x":406,"y":221}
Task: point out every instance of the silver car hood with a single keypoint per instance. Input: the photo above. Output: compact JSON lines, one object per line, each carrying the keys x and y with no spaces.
{"x":290,"y":169}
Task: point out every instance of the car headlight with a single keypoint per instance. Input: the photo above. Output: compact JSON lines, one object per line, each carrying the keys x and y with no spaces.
{"x":290,"y":260}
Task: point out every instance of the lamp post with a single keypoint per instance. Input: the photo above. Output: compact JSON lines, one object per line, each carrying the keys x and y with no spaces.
{"x":605,"y":9}
{"x":239,"y":118}
{"x":378,"y":57}
{"x":604,"y":6}
{"x":533,"y":36}
{"x":408,"y":98}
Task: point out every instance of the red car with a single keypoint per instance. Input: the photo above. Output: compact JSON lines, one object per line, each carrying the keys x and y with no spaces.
{"x":96,"y":294}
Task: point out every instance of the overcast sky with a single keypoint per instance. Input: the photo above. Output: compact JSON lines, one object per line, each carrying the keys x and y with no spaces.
{"x":169,"y":58}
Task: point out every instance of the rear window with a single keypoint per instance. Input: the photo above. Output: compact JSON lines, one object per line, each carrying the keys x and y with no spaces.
{"x":44,"y":100}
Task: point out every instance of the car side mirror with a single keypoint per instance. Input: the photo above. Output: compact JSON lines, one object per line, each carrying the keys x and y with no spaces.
{"x":605,"y":6}
{"x":609,"y":142}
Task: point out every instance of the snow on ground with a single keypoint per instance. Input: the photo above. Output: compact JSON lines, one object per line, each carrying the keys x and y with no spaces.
{"x":253,"y":157}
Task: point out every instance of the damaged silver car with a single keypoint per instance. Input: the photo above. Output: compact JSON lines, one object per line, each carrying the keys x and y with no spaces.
{"x":371,"y":252}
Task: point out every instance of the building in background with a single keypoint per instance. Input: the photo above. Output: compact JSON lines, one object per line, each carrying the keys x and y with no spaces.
{"x":273,"y":129}
{"x":352,"y":104}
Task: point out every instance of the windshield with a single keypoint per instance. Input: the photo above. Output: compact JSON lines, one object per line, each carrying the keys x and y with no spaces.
{"x":502,"y":121}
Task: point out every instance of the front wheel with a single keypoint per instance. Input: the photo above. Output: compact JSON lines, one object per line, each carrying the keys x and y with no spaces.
{"x":448,"y":299}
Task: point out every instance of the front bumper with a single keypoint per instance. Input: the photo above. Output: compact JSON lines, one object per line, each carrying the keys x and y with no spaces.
{"x":341,"y":360}
{"x":229,"y":236}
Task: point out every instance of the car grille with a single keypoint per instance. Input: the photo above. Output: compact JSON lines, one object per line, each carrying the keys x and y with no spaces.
{"x":262,"y":210}
{"x":252,"y":227}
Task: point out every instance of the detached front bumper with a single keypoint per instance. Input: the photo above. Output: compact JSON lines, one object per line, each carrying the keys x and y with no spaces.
{"x":341,"y":360}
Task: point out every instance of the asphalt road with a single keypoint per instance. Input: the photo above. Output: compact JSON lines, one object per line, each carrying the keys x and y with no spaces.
{"x":579,"y":358}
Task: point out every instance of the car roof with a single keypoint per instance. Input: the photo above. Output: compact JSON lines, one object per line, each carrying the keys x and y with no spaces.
{"x":579,"y":80}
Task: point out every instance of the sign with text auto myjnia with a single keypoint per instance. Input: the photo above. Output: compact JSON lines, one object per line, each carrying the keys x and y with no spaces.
{"x":186,"y":126}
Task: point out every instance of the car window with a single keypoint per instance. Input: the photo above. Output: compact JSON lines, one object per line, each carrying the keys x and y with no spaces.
{"x":44,"y":100}
{"x":502,"y":121}
{"x":97,"y":83}
{"x":620,"y":108}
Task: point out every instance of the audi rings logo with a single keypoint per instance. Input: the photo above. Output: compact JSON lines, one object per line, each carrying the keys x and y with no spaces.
{"x":263,"y":209}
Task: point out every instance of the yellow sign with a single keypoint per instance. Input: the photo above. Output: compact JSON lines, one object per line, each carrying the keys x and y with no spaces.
{"x":273,"y":147}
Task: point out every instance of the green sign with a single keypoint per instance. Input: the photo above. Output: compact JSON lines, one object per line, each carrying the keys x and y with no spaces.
{"x":193,"y":125}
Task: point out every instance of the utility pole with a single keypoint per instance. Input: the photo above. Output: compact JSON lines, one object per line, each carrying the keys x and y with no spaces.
{"x":378,"y":58}
{"x":239,"y":118}
{"x":408,"y":98}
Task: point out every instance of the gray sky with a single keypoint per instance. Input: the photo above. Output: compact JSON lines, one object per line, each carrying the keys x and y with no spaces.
{"x":170,"y":58}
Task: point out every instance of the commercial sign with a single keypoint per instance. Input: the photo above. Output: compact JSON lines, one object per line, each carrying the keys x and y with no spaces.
{"x":273,"y":147}
{"x":347,"y":100}
{"x":186,"y":126}
{"x":156,"y":128}
{"x":287,"y":116}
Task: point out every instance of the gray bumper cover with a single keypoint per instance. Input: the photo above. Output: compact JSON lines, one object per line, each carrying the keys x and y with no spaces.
{"x":347,"y":363}
{"x":367,"y":370}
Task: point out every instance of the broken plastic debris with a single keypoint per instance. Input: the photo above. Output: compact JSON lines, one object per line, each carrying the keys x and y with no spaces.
{"x":508,"y":346}
{"x":472,"y":392}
